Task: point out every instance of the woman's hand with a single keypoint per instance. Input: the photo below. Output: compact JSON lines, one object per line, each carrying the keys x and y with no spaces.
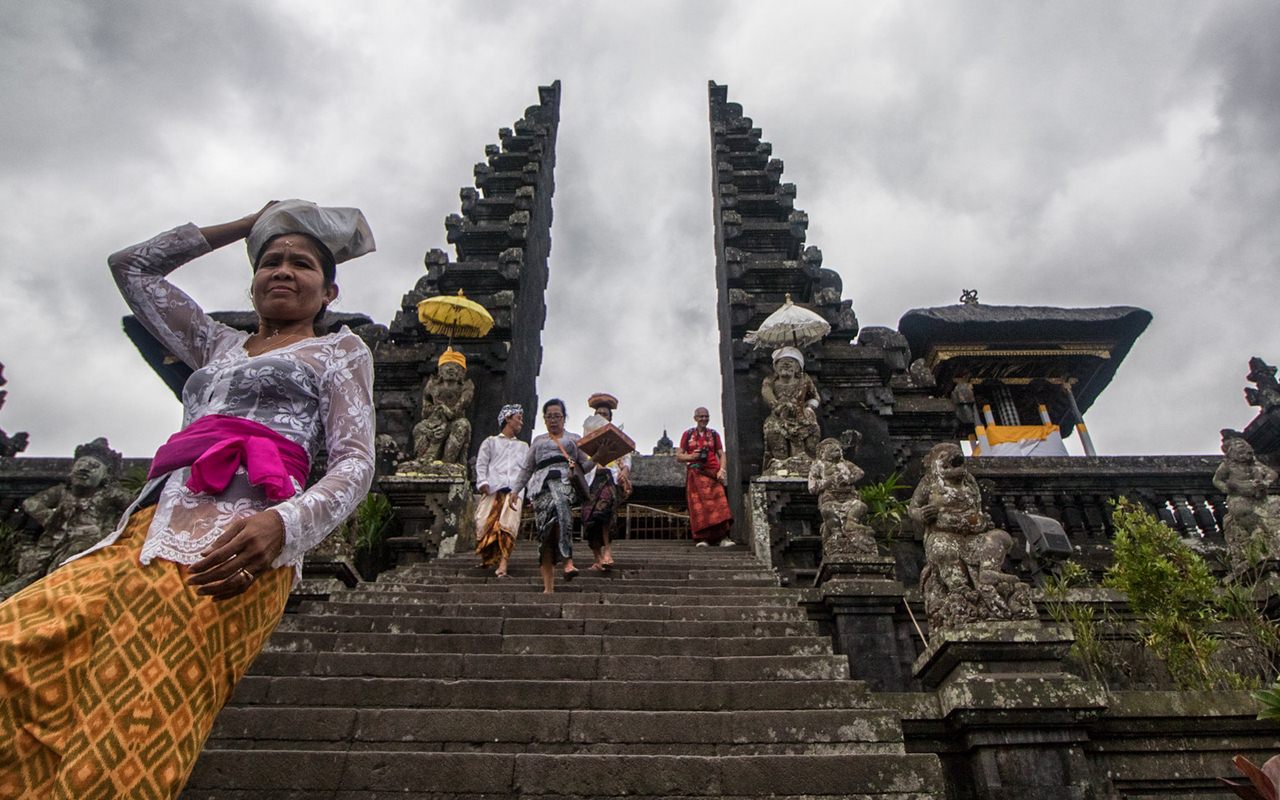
{"x":228,"y":232}
{"x":253,"y":218}
{"x":237,"y":557}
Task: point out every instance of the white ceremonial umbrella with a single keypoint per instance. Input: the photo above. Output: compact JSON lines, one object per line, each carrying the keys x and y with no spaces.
{"x":791,"y":325}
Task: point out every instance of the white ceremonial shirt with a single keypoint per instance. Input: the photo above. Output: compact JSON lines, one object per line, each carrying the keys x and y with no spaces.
{"x":317,"y":393}
{"x":498,"y":462}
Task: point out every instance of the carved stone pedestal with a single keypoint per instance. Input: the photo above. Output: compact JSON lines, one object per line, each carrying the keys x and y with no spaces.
{"x":783,"y":521}
{"x":327,"y":568}
{"x":865,"y":608}
{"x":1017,"y":719}
{"x":430,"y":510}
{"x":846,"y":564}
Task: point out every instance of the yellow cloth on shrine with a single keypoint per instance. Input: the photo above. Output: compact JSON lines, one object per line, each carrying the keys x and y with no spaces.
{"x":1024,"y":440}
{"x":113,"y":672}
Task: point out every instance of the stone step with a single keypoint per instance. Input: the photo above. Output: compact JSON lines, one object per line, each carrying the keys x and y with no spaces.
{"x":291,"y":775}
{"x":471,"y":575}
{"x":560,"y":731}
{"x":519,"y":644}
{"x":537,"y":626}
{"x":532,"y":582}
{"x":555,"y":667}
{"x":653,"y":549}
{"x":531,"y":594}
{"x":626,"y":694}
{"x":561,"y":610}
{"x":681,"y":566}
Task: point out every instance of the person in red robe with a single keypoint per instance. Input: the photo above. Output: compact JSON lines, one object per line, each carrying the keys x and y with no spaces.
{"x":702,"y":453}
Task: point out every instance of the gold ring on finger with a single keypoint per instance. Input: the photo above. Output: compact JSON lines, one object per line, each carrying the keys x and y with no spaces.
{"x":246,"y":574}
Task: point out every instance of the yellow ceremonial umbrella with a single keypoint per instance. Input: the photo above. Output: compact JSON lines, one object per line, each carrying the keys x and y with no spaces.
{"x":454,"y":315}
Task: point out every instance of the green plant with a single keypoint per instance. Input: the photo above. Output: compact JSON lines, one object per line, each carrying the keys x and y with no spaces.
{"x":369,"y":524}
{"x":1173,"y":594}
{"x":885,"y":511}
{"x":133,"y":479}
{"x":1091,"y":648}
{"x":1269,"y":700}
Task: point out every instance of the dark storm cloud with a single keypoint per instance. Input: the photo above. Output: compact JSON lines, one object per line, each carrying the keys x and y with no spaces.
{"x":113,"y":75}
{"x":1048,"y":153}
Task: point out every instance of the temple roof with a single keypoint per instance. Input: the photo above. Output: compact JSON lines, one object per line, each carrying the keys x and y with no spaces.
{"x":1025,"y":343}
{"x":175,"y":373}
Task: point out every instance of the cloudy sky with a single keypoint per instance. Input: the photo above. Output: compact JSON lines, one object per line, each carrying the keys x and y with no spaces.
{"x":1075,"y":154}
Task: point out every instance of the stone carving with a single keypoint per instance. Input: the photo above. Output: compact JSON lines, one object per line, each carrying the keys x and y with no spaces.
{"x":1267,"y":394}
{"x":1252,"y":523}
{"x":444,"y":434}
{"x":10,"y":446}
{"x":962,"y":580}
{"x":919,"y":376}
{"x":387,"y":453}
{"x":74,"y":515}
{"x":833,"y":478}
{"x":791,"y":430}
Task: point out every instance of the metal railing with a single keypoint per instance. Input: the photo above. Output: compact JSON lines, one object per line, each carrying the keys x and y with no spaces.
{"x":647,"y":522}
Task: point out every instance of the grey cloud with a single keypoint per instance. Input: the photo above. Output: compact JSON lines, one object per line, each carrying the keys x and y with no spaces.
{"x":1046,"y":153}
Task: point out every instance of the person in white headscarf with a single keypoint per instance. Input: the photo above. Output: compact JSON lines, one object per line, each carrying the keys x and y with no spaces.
{"x":116,"y":664}
{"x":497,"y":466}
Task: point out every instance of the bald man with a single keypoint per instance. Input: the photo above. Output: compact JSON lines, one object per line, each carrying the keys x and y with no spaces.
{"x":702,"y":453}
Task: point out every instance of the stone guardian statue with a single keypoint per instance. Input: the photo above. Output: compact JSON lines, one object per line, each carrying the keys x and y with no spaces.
{"x":791,"y":430}
{"x":444,"y":433}
{"x":833,"y":478}
{"x":1252,"y":523}
{"x":962,"y":580}
{"x":74,"y":515}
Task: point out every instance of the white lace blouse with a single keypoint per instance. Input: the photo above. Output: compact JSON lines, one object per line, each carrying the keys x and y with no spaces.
{"x":316,"y":393}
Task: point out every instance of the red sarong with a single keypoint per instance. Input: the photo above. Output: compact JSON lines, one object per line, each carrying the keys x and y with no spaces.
{"x":709,"y":514}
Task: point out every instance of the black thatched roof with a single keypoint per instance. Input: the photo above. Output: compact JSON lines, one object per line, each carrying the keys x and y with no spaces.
{"x":1063,"y":342}
{"x":1003,"y":324}
{"x":175,"y":373}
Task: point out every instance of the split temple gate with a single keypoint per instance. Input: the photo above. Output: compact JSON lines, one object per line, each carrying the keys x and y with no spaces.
{"x":777,"y":669}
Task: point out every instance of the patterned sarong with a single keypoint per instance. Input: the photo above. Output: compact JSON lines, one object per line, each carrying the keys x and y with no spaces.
{"x":497,"y":525}
{"x":113,"y":672}
{"x":600,"y":512}
{"x":709,"y":515}
{"x":553,"y":515}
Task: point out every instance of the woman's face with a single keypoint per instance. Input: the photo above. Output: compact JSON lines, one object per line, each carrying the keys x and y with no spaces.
{"x":288,"y":283}
{"x":553,"y":418}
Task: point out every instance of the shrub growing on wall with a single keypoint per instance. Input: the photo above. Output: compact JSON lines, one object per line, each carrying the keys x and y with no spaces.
{"x":1172,"y":592}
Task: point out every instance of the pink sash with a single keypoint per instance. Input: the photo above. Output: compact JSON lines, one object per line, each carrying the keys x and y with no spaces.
{"x":216,"y":445}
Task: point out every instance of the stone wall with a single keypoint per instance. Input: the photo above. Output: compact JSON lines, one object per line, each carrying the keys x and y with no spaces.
{"x":502,"y":241}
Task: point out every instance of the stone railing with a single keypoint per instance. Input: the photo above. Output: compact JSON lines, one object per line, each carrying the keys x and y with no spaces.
{"x":1077,"y":491}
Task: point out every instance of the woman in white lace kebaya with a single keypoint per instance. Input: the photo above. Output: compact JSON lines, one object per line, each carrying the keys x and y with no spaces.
{"x":115,"y":665}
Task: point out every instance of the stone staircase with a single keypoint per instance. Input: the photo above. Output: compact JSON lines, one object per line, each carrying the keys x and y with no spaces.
{"x":686,"y":672}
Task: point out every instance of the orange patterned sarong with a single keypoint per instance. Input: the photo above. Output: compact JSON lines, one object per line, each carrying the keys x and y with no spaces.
{"x":496,"y":527}
{"x":111,"y":673}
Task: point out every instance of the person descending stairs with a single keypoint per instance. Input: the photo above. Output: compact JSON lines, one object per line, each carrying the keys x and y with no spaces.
{"x":682,"y":673}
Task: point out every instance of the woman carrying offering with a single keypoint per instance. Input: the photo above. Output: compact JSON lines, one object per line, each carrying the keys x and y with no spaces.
{"x":115,"y":665}
{"x":497,"y":464}
{"x":550,"y":469}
